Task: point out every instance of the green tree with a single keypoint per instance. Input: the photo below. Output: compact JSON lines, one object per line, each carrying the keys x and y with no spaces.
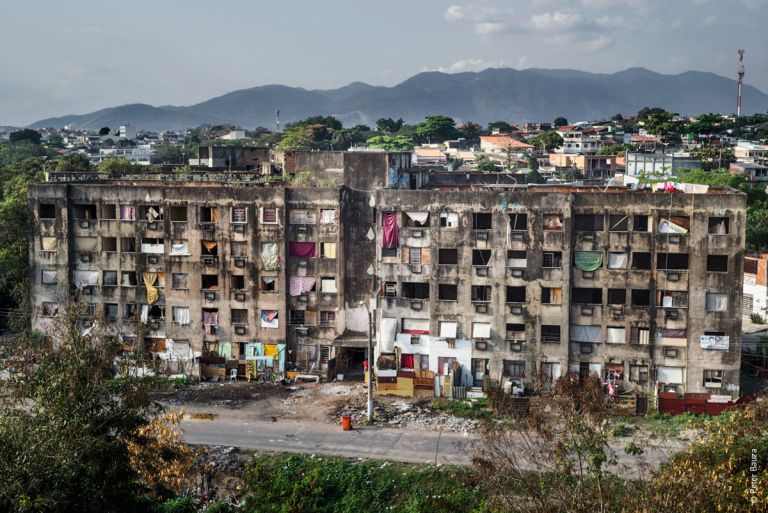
{"x":618,"y":117}
{"x":296,"y":138}
{"x":168,"y":154}
{"x":26,"y":134}
{"x":437,"y":129}
{"x":546,"y":141}
{"x":390,"y":143}
{"x":471,"y":131}
{"x":501,"y":126}
{"x":533,"y":163}
{"x":484,"y":163}
{"x":614,"y":149}
{"x":714,"y":158}
{"x":15,"y":152}
{"x":389,"y":125}
{"x":327,"y":121}
{"x":535,"y":177}
{"x":74,"y":163}
{"x":119,"y":166}
{"x":104,"y":130}
{"x":560,"y":121}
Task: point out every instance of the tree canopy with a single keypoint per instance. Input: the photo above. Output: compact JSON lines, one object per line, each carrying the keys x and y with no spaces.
{"x":559,"y":121}
{"x":26,"y":134}
{"x":437,"y":129}
{"x":390,"y":143}
{"x":389,"y":125}
{"x":546,"y":141}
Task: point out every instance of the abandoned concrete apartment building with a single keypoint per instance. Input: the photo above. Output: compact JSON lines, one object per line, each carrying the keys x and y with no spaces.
{"x":513,"y":283}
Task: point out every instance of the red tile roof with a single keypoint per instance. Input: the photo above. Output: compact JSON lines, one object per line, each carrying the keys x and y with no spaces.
{"x":505,"y":140}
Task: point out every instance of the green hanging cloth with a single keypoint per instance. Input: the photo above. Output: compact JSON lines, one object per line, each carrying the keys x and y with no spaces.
{"x":588,"y":260}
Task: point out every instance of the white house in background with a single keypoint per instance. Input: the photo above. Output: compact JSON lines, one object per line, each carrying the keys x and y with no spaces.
{"x":659,"y":163}
{"x":127,"y":131}
{"x":747,"y":151}
{"x":234,"y":135}
{"x":141,"y":154}
{"x":429,"y":156}
{"x":579,"y":139}
{"x":500,"y":144}
{"x":755,"y":299}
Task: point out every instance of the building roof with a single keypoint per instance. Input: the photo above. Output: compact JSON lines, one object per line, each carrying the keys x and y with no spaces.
{"x":429,"y":152}
{"x":505,"y":140}
{"x":642,"y":138}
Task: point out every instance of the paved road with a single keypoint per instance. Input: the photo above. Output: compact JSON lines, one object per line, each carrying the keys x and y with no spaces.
{"x":417,"y":446}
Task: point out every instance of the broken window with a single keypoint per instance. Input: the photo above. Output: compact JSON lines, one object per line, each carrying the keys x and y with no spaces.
{"x":328,"y":216}
{"x":674,"y":224}
{"x":109,"y":212}
{"x":551,"y":296}
{"x":151,"y":213}
{"x":127,"y":213}
{"x":328,"y":285}
{"x":517,"y":259}
{"x":152,"y":245}
{"x":617,"y":260}
{"x":327,"y":318}
{"x":716,"y":302}
{"x":641,"y":261}
{"x":238,"y":282}
{"x":178,"y":214}
{"x":449,"y":220}
{"x":481,"y":293}
{"x":550,"y":333}
{"x":514,"y":369}
{"x":179,"y":281}
{"x":515,"y":331}
{"x":128,"y":279}
{"x":47,"y":211}
{"x":618,"y":223}
{"x":641,"y":297}
{"x":717,"y":263}
{"x":482,"y":221}
{"x":414,"y":290}
{"x":553,"y":222}
{"x":552,"y":260}
{"x":713,"y":378}
{"x":587,"y":296}
{"x":446,"y":292}
{"x":518,"y":222}
{"x":390,"y":289}
{"x":303,"y":217}
{"x":84,"y":212}
{"x":238,"y":215}
{"x":296,"y":317}
{"x":515,"y":294}
{"x":130,"y":310}
{"x":209,"y":214}
{"x":268,"y":284}
{"x":481,"y":257}
{"x":641,"y":223}
{"x":269,"y":215}
{"x":588,"y":222}
{"x":672,"y":261}
{"x":210,"y":281}
{"x":127,"y":245}
{"x":109,"y":278}
{"x":638,"y":374}
{"x":719,"y":226}
{"x":617,"y":296}
{"x":239,"y":316}
{"x":109,"y":244}
{"x":671,"y":299}
{"x":111,"y":311}
{"x":328,"y":250}
{"x":416,"y":219}
{"x":447,"y":256}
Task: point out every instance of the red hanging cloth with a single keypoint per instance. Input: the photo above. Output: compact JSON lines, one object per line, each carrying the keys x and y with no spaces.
{"x":389,"y":225}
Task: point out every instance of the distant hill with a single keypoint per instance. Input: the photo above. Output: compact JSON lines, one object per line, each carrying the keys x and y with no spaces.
{"x":489,"y":95}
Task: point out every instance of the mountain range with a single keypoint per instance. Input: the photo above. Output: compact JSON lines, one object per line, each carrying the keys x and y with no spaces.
{"x":493,"y":94}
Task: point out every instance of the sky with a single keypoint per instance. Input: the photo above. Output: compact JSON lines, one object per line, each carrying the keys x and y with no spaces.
{"x":62,"y":58}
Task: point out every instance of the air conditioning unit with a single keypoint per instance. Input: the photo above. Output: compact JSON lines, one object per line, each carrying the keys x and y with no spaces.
{"x":417,"y":305}
{"x":85,"y":258}
{"x":209,"y":261}
{"x":481,"y":308}
{"x":585,"y":348}
{"x":671,"y":314}
{"x":587,"y":310}
{"x":302,"y":263}
{"x":481,"y":345}
{"x":481,"y":235}
{"x":517,"y":273}
{"x":588,"y":275}
{"x":209,"y":296}
{"x":301,"y":330}
{"x":239,"y":296}
{"x":415,"y":269}
{"x":152,"y":225}
{"x":673,"y":276}
{"x":481,"y":271}
{"x":153,"y":259}
{"x":85,"y":223}
{"x":417,"y":234}
{"x":670,"y":352}
{"x":304,"y":298}
{"x":674,"y":239}
{"x":617,"y":311}
{"x":519,"y":236}
{"x":240,"y":330}
{"x":588,"y":236}
{"x":239,"y":262}
{"x":516,"y":309}
{"x":238,"y":228}
{"x":515,"y":346}
{"x":208,"y":227}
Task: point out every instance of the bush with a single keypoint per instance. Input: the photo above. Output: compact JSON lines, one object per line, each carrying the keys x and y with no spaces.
{"x":180,"y":505}
{"x":219,"y":507}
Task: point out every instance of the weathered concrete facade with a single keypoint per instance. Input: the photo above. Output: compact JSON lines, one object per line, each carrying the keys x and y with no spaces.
{"x":514,"y":283}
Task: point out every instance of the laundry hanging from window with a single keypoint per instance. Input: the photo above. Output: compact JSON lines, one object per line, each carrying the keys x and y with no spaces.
{"x":84,"y":279}
{"x":149,"y":282}
{"x":210,"y":319}
{"x":300,"y":284}
{"x":269,"y":319}
{"x":389,"y":225}
{"x":302,"y":249}
{"x":588,"y":260}
{"x":269,"y":257}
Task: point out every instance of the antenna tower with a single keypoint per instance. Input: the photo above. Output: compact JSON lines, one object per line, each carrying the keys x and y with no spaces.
{"x":277,"y":122}
{"x":741,"y":81}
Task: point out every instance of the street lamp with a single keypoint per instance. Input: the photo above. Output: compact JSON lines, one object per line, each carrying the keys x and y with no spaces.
{"x":370,"y":361}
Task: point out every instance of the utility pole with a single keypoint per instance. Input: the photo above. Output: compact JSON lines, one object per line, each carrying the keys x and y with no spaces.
{"x":370,"y":364}
{"x":741,"y":81}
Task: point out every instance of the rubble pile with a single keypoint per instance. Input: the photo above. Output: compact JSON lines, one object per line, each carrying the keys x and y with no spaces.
{"x":230,"y":395}
{"x":402,"y":414}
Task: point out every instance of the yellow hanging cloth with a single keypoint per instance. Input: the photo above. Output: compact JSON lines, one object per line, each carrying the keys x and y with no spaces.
{"x":210,"y":246}
{"x":152,"y":293}
{"x":270,"y":350}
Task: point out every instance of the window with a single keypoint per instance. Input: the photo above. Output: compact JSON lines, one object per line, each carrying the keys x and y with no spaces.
{"x":127,"y":245}
{"x":327,"y":318}
{"x":180,"y":315}
{"x":388,"y":252}
{"x":716,"y":302}
{"x":481,"y":293}
{"x":414,"y":256}
{"x":238,"y":282}
{"x":717,"y":263}
{"x":209,"y":248}
{"x":482,"y":221}
{"x":328,"y":216}
{"x":517,"y":259}
{"x":447,"y":256}
{"x":84,"y":212}
{"x":179,"y":214}
{"x":449,"y":220}
{"x":50,"y":277}
{"x":515,"y":294}
{"x":448,"y":329}
{"x":518,"y":222}
{"x":550,"y":333}
{"x":641,"y":261}
{"x":416,"y":219}
{"x":588,"y":222}
{"x":151,"y":213}
{"x":615,"y":335}
{"x":412,"y":290}
{"x":90,"y":310}
{"x":415,"y":326}
{"x":209,"y":214}
{"x":713,"y":378}
{"x":638,"y":374}
{"x":674,"y":224}
{"x":296,"y":317}
{"x":152,"y":245}
{"x":390,"y":289}
{"x":515,"y":331}
{"x":239,"y":249}
{"x":328,"y":285}
{"x":269,"y":319}
{"x":672,"y":261}
{"x":328,"y":250}
{"x":110,"y":278}
{"x":551,"y":296}
{"x":239,"y":316}
{"x":303,"y":217}
{"x":48,"y":244}
{"x":481,"y":257}
{"x":587,"y":296}
{"x":641,"y":224}
{"x":552,"y":260}
{"x":130,"y":310}
{"x":109,"y":244}
{"x":210,"y":281}
{"x":641,"y":297}
{"x":481,"y":330}
{"x":719,"y":226}
{"x":128,"y":278}
{"x":268,"y":284}
{"x":750,"y":265}
{"x":617,"y":260}
{"x":111,"y":311}
{"x":671,"y":299}
{"x":109,"y":212}
{"x":617,"y":296}
{"x":269,"y":215}
{"x":127,"y":213}
{"x":179,"y":281}
{"x":618,"y":223}
{"x":514,"y":368}
{"x":239,"y":215}
{"x":640,"y":335}
{"x":50,"y":309}
{"x":447,"y":292}
{"x":47,"y":211}
{"x":553,"y":222}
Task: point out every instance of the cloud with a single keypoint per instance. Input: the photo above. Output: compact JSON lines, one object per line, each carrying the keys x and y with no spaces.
{"x":463,"y":65}
{"x":709,"y":21}
{"x":454,"y":13}
{"x":556,"y":21}
{"x":484,"y":20}
{"x":754,"y":4}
